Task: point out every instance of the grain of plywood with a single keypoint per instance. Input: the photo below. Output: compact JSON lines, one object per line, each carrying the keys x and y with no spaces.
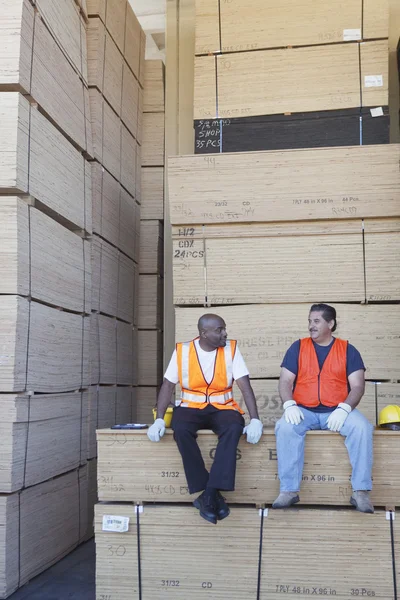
{"x":132,"y":41}
{"x":103,"y":349}
{"x":278,"y":81}
{"x":153,"y":96}
{"x":97,"y":8}
{"x":375,"y":19}
{"x":106,"y":204}
{"x":96,"y":41}
{"x":115,"y":21}
{"x":128,"y":225}
{"x":139,"y":133}
{"x":105,"y":277}
{"x":102,"y":410}
{"x":111,"y":146}
{"x":325,"y":481}
{"x":142,"y":56}
{"x":138,"y":175}
{"x":16,"y":33}
{"x":153,"y":139}
{"x":130,"y":100}
{"x":14,"y":246}
{"x":372,"y":329}
{"x":125,"y":353}
{"x":55,"y":350}
{"x":326,"y":183}
{"x":96,"y":122}
{"x":128,"y":160}
{"x":152,"y":193}
{"x":56,"y":86}
{"x":14,"y":142}
{"x":84,"y":49}
{"x":57,"y":171}
{"x":151,"y":247}
{"x":207,"y":33}
{"x":374,"y":73}
{"x":150,"y":302}
{"x":382,"y":256}
{"x":14,"y":318}
{"x":113,"y":65}
{"x":86,"y":352}
{"x":64,"y":21}
{"x":150,"y":357}
{"x":127,"y":297}
{"x":9,"y":544}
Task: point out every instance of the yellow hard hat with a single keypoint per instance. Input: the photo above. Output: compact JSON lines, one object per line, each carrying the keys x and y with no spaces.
{"x":389,"y":417}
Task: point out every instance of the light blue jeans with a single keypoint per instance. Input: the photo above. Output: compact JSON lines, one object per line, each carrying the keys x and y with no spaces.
{"x":290,"y":442}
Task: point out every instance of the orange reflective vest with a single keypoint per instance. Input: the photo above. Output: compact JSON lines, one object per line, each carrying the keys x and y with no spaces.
{"x":195,"y":391}
{"x":327,"y":386}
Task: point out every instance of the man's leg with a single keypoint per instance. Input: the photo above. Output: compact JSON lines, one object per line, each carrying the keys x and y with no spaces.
{"x":290,"y":442}
{"x":228,"y":426}
{"x":186,"y":422}
{"x":358,"y":432}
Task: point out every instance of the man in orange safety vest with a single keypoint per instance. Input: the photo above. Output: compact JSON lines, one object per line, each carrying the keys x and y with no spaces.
{"x":206,"y":368}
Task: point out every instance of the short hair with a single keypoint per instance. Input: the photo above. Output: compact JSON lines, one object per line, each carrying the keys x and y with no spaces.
{"x":328,"y":313}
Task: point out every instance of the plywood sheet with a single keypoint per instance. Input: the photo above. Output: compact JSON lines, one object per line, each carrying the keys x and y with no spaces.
{"x":108,"y":283}
{"x":16,"y":32}
{"x":373,"y":330}
{"x":55,"y":350}
{"x":57,"y":171}
{"x":128,"y":225}
{"x":153,"y":140}
{"x":14,"y":246}
{"x":111,"y":141}
{"x":326,"y":183}
{"x":152,"y":193}
{"x":123,"y":411}
{"x":132,"y":41}
{"x":125,"y":352}
{"x":151,"y":247}
{"x":115,"y":21}
{"x":375,"y":19}
{"x":150,"y":357}
{"x":153,"y":98}
{"x":207,"y":27}
{"x":97,"y":8}
{"x":113,"y":65}
{"x":130,"y":100}
{"x":145,"y":401}
{"x":96,"y":122}
{"x":96,"y":41}
{"x":106,"y":204}
{"x":103,"y":349}
{"x":278,"y":81}
{"x":374,"y":73}
{"x":14,"y":143}
{"x":14,"y":317}
{"x":325,"y":477}
{"x":127,"y":292}
{"x":150,"y":302}
{"x":128,"y":160}
{"x":56,"y":86}
{"x":382,"y":255}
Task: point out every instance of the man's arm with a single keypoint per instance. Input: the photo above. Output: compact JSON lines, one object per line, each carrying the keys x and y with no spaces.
{"x":357,"y":388}
{"x":164,"y":397}
{"x":286,"y":382}
{"x":248,"y":396}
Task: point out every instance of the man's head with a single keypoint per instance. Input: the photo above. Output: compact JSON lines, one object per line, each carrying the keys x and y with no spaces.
{"x":212,"y":332}
{"x":321,"y":322}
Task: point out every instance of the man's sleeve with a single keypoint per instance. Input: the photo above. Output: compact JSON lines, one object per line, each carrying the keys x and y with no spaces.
{"x":291,"y":358}
{"x":172,"y":370}
{"x":354,"y":360}
{"x":239,"y":367}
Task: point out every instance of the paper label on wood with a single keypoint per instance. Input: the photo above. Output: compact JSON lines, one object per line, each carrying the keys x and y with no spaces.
{"x":114,"y":523}
{"x":377,"y":112}
{"x":373,"y":81}
{"x":351,"y":34}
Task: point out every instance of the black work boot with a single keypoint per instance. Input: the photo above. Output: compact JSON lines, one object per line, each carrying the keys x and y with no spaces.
{"x":207,"y":507}
{"x":222,"y":507}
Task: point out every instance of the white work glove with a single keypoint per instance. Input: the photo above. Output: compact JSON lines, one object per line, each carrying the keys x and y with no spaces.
{"x":292,"y":413}
{"x":156,"y":431}
{"x":337,"y":418}
{"x":253,"y":430}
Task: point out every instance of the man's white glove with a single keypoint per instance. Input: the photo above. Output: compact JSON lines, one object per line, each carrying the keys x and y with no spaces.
{"x":253,"y":430}
{"x":337,"y":418}
{"x":292,"y":413}
{"x":156,"y":431}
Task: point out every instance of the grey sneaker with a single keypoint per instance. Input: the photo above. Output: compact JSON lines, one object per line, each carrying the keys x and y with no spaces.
{"x":286,"y":499}
{"x":362,"y":501}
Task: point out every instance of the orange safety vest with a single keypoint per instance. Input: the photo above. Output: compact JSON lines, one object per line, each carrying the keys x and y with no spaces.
{"x":327,"y":386}
{"x":195,"y":391}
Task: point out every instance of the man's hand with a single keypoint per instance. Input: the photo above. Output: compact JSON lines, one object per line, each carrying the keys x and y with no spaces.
{"x":254,"y":431}
{"x":156,"y":431}
{"x":337,"y":417}
{"x":292,"y":413}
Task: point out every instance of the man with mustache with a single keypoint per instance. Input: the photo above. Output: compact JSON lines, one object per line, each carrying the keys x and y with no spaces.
{"x":206,"y":368}
{"x":322,"y":382}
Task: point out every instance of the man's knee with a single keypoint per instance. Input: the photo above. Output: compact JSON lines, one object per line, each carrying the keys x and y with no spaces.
{"x":357,"y":423}
{"x":282,"y":428}
{"x":182,"y":431}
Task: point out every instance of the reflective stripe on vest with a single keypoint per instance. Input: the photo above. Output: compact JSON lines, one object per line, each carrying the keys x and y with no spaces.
{"x":327,"y":386}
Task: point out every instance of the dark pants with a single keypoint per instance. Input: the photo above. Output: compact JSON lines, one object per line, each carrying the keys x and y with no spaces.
{"x":228,"y":425}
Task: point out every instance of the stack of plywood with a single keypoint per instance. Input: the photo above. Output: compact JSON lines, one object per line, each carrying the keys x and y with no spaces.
{"x":45,"y":284}
{"x":133,"y":541}
{"x":116,"y":79}
{"x":150,"y":314}
{"x":292,"y":75}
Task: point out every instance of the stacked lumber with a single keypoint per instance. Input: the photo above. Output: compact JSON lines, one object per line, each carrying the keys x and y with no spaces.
{"x":270,"y":77}
{"x":45,"y":289}
{"x":116,"y":81}
{"x":133,"y":541}
{"x":151,"y":265}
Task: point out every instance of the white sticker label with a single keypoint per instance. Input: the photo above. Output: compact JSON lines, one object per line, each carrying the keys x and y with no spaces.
{"x":117,"y":524}
{"x":351,"y":34}
{"x":373,"y":81}
{"x":377,"y":112}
